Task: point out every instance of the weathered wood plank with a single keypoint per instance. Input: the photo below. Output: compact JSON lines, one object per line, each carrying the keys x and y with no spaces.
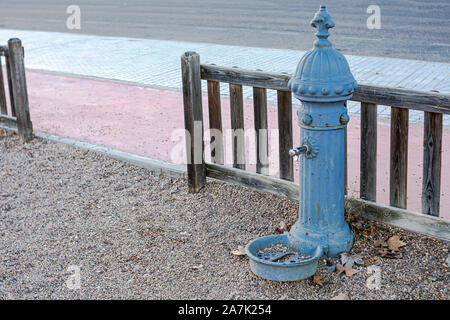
{"x":399,"y":157}
{"x":432,"y":147}
{"x":408,"y":220}
{"x":399,"y":97}
{"x":19,"y":89}
{"x":285,"y":134}
{"x":405,"y":219}
{"x":368,"y":167}
{"x":193,"y":120}
{"x":404,"y":98}
{"x":253,"y":180}
{"x":237,"y":125}
{"x":3,"y":104}
{"x":245,"y":77}
{"x":262,"y":137}
{"x":8,"y":121}
{"x":215,"y":122}
{"x":158,"y":166}
{"x":10,"y":86}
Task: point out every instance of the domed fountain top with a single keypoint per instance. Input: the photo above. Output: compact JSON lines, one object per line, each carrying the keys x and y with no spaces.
{"x":323,"y":74}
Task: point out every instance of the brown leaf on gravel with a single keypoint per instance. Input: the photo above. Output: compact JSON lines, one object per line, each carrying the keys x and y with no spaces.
{"x":339,"y":268}
{"x":394,"y":243}
{"x":240,"y":251}
{"x":382,"y":252}
{"x":317,"y":280}
{"x":371,"y":260}
{"x":380,"y":243}
{"x":341,"y":296}
{"x":347,"y":269}
{"x":282,"y":227}
{"x":389,"y":254}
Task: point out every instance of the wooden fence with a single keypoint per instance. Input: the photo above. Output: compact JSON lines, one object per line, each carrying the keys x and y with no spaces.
{"x":434,"y":105}
{"x":19,"y":117}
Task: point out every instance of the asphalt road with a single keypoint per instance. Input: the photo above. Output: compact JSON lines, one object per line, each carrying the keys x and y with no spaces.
{"x":409,"y":29}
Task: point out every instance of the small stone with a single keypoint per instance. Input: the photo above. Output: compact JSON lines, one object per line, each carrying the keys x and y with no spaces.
{"x":433,"y":279}
{"x":137,"y":267}
{"x":197,"y":267}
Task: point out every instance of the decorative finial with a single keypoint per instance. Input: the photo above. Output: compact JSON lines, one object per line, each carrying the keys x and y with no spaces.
{"x":323,"y":74}
{"x":322,"y":22}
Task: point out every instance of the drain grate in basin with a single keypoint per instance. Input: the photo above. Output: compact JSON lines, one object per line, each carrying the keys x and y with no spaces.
{"x":282,"y":254}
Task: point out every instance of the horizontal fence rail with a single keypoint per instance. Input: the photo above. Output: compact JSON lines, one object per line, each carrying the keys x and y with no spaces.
{"x":19,"y":116}
{"x":434,"y":105}
{"x":399,"y":97}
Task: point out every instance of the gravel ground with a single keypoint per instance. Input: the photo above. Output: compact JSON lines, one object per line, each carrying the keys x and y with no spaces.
{"x":140,"y":235}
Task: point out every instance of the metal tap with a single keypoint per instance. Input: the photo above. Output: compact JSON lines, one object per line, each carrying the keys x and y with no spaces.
{"x":295,"y":152}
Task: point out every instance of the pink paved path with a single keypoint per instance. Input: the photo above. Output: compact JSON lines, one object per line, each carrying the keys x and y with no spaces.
{"x":142,"y":120}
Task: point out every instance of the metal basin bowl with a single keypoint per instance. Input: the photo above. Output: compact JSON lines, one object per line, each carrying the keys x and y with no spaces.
{"x":287,"y":264}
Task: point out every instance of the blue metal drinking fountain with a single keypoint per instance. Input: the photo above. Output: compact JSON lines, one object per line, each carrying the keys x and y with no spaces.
{"x":322,"y":82}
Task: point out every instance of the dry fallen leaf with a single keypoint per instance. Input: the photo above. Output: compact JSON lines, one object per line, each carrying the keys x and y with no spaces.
{"x":380,"y":243}
{"x":240,"y":251}
{"x":341,"y":296}
{"x":382,"y":252}
{"x":316,"y":280}
{"x":370,"y":260}
{"x":339,"y":268}
{"x":348,"y":270}
{"x":394,"y":243}
{"x":389,"y":254}
{"x":282,"y":227}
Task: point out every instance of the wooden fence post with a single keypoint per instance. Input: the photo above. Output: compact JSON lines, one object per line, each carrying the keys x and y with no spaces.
{"x":237,"y":124}
{"x":285,"y":134}
{"x":19,"y":89}
{"x":368,"y":167}
{"x":399,"y":157}
{"x":3,"y":104}
{"x":10,"y":85}
{"x":193,"y":120}
{"x":262,"y":140}
{"x":215,"y":121}
{"x":432,"y":147}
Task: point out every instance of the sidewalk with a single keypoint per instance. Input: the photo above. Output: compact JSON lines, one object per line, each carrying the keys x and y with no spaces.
{"x":156,"y":63}
{"x":143,"y":120}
